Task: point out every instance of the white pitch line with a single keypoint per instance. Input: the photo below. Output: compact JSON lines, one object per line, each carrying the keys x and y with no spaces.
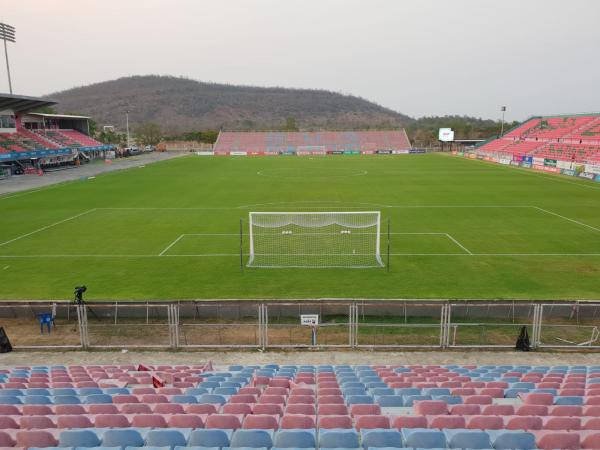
{"x":494,"y":254}
{"x":47,"y":226}
{"x":232,"y":208}
{"x":171,"y":245}
{"x":117,"y":256}
{"x":237,"y":255}
{"x":567,"y":218}
{"x":210,"y":234}
{"x":459,"y":244}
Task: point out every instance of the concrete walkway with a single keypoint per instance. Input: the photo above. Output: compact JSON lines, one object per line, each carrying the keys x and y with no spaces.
{"x":18,"y":183}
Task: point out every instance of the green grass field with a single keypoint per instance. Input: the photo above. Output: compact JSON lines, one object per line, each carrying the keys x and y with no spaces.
{"x":460,"y":229}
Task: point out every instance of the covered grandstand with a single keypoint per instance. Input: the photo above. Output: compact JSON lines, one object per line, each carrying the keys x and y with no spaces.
{"x":312,"y":143}
{"x":34,"y":141}
{"x":567,"y":144}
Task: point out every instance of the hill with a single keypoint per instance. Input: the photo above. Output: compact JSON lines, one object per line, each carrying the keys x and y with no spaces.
{"x":182,"y":104}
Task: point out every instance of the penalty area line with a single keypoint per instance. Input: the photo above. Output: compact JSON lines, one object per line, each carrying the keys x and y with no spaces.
{"x":48,"y":226}
{"x":171,"y":245}
{"x":459,"y":244}
{"x":567,"y":218}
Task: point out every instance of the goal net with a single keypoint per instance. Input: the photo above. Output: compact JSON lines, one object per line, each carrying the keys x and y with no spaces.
{"x":315,"y":239}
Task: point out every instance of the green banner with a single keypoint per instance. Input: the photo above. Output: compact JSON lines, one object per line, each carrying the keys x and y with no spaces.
{"x":549,"y":162}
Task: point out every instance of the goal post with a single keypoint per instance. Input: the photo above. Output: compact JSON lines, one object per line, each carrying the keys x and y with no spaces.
{"x":349,"y":239}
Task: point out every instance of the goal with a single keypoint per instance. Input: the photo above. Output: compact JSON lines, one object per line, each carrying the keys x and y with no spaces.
{"x":315,"y":239}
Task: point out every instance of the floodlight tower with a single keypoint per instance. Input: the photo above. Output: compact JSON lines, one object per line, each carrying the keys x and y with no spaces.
{"x":127,"y":125}
{"x":503,"y":109}
{"x":7,"y":33}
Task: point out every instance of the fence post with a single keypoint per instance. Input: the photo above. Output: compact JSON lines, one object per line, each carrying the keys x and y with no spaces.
{"x":353,"y":325}
{"x":173,"y":318}
{"x":265,"y":342}
{"x":350,"y":325}
{"x":83,"y":326}
{"x":536,"y":335}
{"x":445,"y":326}
{"x":263,"y":322}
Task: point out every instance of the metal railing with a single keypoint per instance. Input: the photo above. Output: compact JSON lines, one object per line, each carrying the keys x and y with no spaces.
{"x":344,"y":323}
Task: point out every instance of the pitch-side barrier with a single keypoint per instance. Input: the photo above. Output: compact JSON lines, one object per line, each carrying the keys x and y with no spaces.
{"x":296,"y":324}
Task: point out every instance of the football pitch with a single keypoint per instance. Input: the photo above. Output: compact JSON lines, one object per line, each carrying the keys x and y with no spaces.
{"x":459,"y":229}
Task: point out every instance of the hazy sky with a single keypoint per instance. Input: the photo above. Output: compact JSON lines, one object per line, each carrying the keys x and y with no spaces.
{"x":419,"y":57}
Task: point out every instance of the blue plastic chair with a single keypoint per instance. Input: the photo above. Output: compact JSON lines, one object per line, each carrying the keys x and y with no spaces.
{"x":165,"y":438}
{"x":295,"y":439}
{"x":78,"y":438}
{"x":338,"y":439}
{"x":209,"y":438}
{"x":252,"y":438}
{"x":381,"y":438}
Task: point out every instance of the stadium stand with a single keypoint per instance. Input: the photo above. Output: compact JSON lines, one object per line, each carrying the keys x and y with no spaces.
{"x":439,"y":406}
{"x":31,"y":141}
{"x":311,"y":142}
{"x":571,"y":138}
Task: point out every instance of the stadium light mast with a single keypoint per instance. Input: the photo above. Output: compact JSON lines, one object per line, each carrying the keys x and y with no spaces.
{"x":127,"y":125}
{"x":7,"y":33}
{"x":503,"y":109}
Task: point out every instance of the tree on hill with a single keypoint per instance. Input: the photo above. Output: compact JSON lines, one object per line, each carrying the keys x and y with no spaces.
{"x":148,"y":134}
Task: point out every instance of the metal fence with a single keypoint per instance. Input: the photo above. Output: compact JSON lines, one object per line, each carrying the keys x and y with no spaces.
{"x":346,"y":323}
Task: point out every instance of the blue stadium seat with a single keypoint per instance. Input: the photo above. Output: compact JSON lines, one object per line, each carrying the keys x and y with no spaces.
{"x":62,"y":391}
{"x":210,"y":438}
{"x":98,"y":448}
{"x":78,"y":438}
{"x":122,"y":437}
{"x":423,"y":438}
{"x":97,"y":398}
{"x":196,"y":448}
{"x":252,"y":438}
{"x":353,"y":391}
{"x":389,"y":400}
{"x":66,"y":400}
{"x":471,"y":439}
{"x":212,"y":398}
{"x":117,"y":391}
{"x":37,"y":391}
{"x":183,"y":399}
{"x":382,"y":391}
{"x":514,"y":392}
{"x":195,"y":391}
{"x":568,"y":400}
{"x":436,"y":391}
{"x":338,"y":439}
{"x":10,"y":392}
{"x":381,"y":438}
{"x":149,"y":447}
{"x":450,"y":399}
{"x":295,"y":439}
{"x":408,"y":391}
{"x":89,"y":391}
{"x":225,"y":391}
{"x":51,"y":448}
{"x":353,"y":384}
{"x":36,"y":400}
{"x":506,"y":439}
{"x":165,"y":438}
{"x":10,"y":400}
{"x":359,"y":399}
